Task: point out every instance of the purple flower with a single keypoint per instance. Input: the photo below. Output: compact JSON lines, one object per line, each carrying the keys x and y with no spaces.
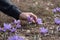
{"x":30,"y":19}
{"x":7,"y":26}
{"x":43,"y":30}
{"x":39,"y":21}
{"x":17,"y":21}
{"x":15,"y":37}
{"x":57,"y":20}
{"x":18,"y":26}
{"x":58,"y":9}
{"x":54,"y":10}
{"x":13,"y":29}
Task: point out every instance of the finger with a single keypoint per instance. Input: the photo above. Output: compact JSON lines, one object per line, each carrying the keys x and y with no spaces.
{"x":32,"y":20}
{"x":34,"y":17}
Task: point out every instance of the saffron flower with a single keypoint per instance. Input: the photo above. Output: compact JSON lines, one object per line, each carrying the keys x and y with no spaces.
{"x":57,"y":20}
{"x":13,"y":29}
{"x":18,"y":26}
{"x":39,"y":21}
{"x":17,"y":21}
{"x":15,"y":37}
{"x":30,"y":19}
{"x":43,"y":30}
{"x":58,"y":9}
{"x":7,"y":26}
{"x":54,"y":10}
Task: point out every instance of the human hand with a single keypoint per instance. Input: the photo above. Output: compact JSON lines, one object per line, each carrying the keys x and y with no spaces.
{"x":25,"y":15}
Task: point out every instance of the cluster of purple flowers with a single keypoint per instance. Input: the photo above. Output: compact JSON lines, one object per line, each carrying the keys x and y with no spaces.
{"x":57,"y":9}
{"x":8,"y":26}
{"x":39,"y":20}
{"x":44,"y":30}
{"x":15,"y":37}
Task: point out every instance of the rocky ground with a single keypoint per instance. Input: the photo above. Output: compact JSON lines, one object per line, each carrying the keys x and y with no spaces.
{"x":43,"y":9}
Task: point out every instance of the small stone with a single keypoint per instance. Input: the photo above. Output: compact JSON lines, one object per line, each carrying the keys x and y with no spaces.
{"x":28,"y":31}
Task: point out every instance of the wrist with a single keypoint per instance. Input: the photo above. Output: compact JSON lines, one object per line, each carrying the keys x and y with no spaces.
{"x":20,"y":15}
